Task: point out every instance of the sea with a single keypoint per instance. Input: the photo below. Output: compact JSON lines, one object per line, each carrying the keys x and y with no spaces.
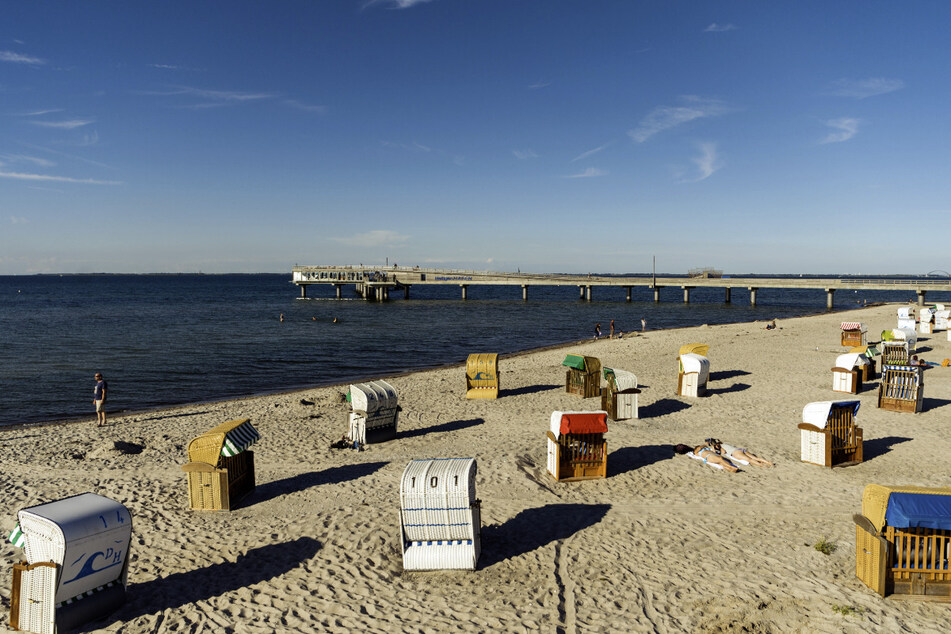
{"x":165,"y":340}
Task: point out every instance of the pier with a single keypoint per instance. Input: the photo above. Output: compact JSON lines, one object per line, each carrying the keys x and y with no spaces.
{"x":375,"y":283}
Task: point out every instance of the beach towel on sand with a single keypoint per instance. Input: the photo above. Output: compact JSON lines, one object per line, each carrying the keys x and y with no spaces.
{"x":736,"y":461}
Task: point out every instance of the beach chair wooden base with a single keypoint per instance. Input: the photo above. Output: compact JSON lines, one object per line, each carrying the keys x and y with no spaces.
{"x":574,"y":457}
{"x":838,"y":445}
{"x":846,"y":381}
{"x":583,"y":384}
{"x":219,"y":489}
{"x":909,"y":563}
{"x":852,"y":338}
{"x":687,"y":385}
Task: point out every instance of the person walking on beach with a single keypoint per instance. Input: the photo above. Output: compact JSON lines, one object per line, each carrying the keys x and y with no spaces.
{"x":643,"y":324}
{"x":612,"y":329}
{"x":99,"y":400}
{"x":597,"y":330}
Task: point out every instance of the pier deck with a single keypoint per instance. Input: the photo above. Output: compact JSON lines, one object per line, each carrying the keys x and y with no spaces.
{"x":376,"y":282}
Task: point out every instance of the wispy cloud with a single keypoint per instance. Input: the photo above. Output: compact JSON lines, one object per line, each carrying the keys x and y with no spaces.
{"x":165,"y":66}
{"x":863,"y":88}
{"x":585,"y":155}
{"x":22,"y":158}
{"x":18,"y":220}
{"x":843,"y":130}
{"x":89,"y":139}
{"x":524,"y":154}
{"x":55,"y":179}
{"x":667,"y":117}
{"x":64,"y":125}
{"x":212,"y":98}
{"x":72,"y":157}
{"x":707,"y":162}
{"x":591,"y":172}
{"x":539,"y":84}
{"x":293,"y":103}
{"x":19,"y":58}
{"x":40,"y":113}
{"x":376,"y":238}
{"x":719,"y":28}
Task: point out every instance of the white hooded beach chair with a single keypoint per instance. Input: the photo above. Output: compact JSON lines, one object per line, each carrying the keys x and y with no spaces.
{"x":906,"y":317}
{"x":619,"y":396}
{"x":375,"y":409}
{"x":829,"y":435}
{"x":693,"y":375}
{"x":77,"y":562}
{"x":440,"y":517}
{"x":847,"y":373}
{"x":941,"y":319}
{"x":926,"y":321}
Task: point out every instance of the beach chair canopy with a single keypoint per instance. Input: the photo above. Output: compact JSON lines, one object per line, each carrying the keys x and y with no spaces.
{"x":906,"y":312}
{"x":853,"y":325}
{"x":818,"y":413}
{"x":926,"y":314}
{"x":87,"y":534}
{"x":694,"y":348}
{"x":581,"y":362}
{"x":850,"y":359}
{"x":623,"y":380}
{"x":482,"y":367}
{"x":926,"y":511}
{"x":905,"y":334}
{"x":436,"y":497}
{"x":942,"y":313}
{"x":225,"y":440}
{"x":578,"y":423}
{"x":692,"y":362}
{"x":372,"y":396}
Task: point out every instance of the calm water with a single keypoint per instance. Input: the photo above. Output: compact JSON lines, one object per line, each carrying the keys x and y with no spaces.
{"x":164,"y":340}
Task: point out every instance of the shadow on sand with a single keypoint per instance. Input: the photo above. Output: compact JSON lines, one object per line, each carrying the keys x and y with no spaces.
{"x":537,"y":527}
{"x":928,"y":404}
{"x":661,"y":407}
{"x":529,"y":389}
{"x":880,"y":446}
{"x":257,"y":565}
{"x":736,"y":387}
{"x":453,"y":425}
{"x":629,"y":458}
{"x":302,"y":481}
{"x":727,"y":374}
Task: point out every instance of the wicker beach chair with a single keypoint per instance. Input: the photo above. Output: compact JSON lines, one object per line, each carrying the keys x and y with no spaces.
{"x":577,"y":449}
{"x":583,"y":377}
{"x":693,"y":375}
{"x":853,"y":333}
{"x":440,"y":517}
{"x":903,"y":541}
{"x":828,"y":433}
{"x":901,"y":388}
{"x":220,"y":466}
{"x":374,"y":412}
{"x":847,"y":373}
{"x":482,"y":376}
{"x":77,"y":563}
{"x":619,"y":396}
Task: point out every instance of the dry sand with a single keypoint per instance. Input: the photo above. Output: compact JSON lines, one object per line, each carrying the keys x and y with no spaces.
{"x":664,"y":544}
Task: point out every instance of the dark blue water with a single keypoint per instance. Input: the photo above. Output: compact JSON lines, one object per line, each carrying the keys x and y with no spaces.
{"x":164,"y":340}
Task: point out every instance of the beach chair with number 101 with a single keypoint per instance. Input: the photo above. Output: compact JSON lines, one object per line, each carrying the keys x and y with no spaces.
{"x":221,"y":467}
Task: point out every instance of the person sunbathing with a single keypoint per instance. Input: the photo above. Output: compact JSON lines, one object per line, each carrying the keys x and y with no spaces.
{"x":730,"y":451}
{"x":708,"y":455}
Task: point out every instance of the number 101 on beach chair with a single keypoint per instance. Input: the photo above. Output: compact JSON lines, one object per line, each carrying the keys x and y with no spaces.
{"x":77,"y":562}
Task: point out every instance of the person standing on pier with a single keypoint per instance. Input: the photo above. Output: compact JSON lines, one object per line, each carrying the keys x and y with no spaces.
{"x":99,"y":400}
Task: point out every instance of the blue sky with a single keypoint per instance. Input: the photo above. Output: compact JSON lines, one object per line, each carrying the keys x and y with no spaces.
{"x":537,"y":135}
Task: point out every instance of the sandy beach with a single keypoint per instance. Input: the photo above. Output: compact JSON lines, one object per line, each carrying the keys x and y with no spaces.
{"x":663,"y":544}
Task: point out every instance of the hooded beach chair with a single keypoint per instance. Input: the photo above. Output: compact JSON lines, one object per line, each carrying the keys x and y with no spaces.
{"x":693,"y":375}
{"x":926,"y":321}
{"x":577,"y":449}
{"x":847,"y":373}
{"x":853,"y":333}
{"x":220,"y":466}
{"x":906,"y":317}
{"x":901,"y":388}
{"x":77,"y":563}
{"x":440,"y":517}
{"x":583,"y":376}
{"x":903,"y":541}
{"x":619,"y":396}
{"x":482,"y":376}
{"x":941,"y":318}
{"x":374,"y":412}
{"x":828,"y":433}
